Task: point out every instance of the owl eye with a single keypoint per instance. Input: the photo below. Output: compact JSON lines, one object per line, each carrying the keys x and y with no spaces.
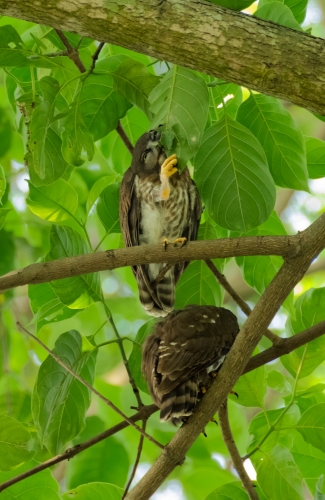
{"x":145,"y":154}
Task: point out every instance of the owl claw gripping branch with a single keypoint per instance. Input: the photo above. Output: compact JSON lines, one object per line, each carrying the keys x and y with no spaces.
{"x":158,"y":204}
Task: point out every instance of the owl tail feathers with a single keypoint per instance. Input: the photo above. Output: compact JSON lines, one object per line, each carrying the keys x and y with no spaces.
{"x":179,"y":403}
{"x":157,"y":302}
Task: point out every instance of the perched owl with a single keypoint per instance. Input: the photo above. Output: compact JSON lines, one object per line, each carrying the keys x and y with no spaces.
{"x":181,"y":352}
{"x":157,"y":205}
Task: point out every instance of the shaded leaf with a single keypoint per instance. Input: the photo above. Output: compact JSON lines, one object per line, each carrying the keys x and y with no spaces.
{"x":3,"y":215}
{"x":59,"y":400}
{"x":280,"y":138}
{"x":319,"y":486}
{"x":278,"y":13}
{"x":107,"y":208}
{"x":310,"y":460}
{"x":136,"y":355}
{"x":13,"y":443}
{"x":315,"y":149}
{"x":278,"y":382}
{"x":96,"y":190}
{"x":77,"y":292}
{"x":76,"y":137}
{"x":5,"y":136}
{"x":231,"y":161}
{"x":3,"y":182}
{"x":55,"y":203}
{"x":229,"y":491}
{"x":251,"y":388}
{"x":312,"y":426}
{"x":185,"y":117}
{"x":95,"y":491}
{"x":297,"y":7}
{"x":223,"y":95}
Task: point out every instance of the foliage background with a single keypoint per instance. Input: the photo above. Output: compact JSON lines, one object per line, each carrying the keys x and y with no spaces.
{"x":41,"y":220}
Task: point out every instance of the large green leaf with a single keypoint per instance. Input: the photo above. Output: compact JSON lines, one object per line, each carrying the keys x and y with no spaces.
{"x":185,"y":117}
{"x":223,"y":95}
{"x":95,"y":491}
{"x":310,"y":461}
{"x":14,"y":438}
{"x":107,"y":208}
{"x":100,"y":105}
{"x":229,"y":491}
{"x":309,"y":310}
{"x":315,"y":149}
{"x":278,"y":13}
{"x":136,"y":355}
{"x":54,"y":203}
{"x":45,"y":161}
{"x":91,"y":465}
{"x":132,"y":80}
{"x":233,"y":4}
{"x":232,"y":177}
{"x":297,"y":7}
{"x":80,"y":291}
{"x":96,"y":190}
{"x":278,"y":476}
{"x":11,"y":48}
{"x":312,"y":426}
{"x":251,"y":388}
{"x":280,"y":138}
{"x":59,"y":400}
{"x":40,"y":486}
{"x":3,"y":215}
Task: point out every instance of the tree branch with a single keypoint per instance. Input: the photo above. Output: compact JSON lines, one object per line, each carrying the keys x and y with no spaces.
{"x":311,"y":243}
{"x":144,"y":414}
{"x":92,"y":389}
{"x":275,"y":339}
{"x":72,"y":53}
{"x":145,"y":254}
{"x":233,"y":452}
{"x":121,"y":132}
{"x":287,"y":64}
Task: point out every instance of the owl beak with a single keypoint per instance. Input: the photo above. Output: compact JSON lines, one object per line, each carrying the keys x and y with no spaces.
{"x":155,"y":135}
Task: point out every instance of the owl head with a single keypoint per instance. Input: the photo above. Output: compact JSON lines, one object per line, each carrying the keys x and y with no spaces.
{"x":148,"y":154}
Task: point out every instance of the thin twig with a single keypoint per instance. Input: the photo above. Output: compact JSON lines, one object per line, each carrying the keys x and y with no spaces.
{"x":233,"y":452}
{"x":75,"y":375}
{"x":121,"y":132}
{"x":275,"y":339}
{"x":136,"y":463}
{"x":73,"y":53}
{"x":144,"y":413}
{"x":160,"y":275}
{"x":95,"y":56}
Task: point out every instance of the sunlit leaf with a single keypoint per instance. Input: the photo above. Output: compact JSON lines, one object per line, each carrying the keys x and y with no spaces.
{"x":14,"y":439}
{"x":278,"y":13}
{"x":251,"y":388}
{"x":297,"y":7}
{"x":185,"y":117}
{"x":223,"y":95}
{"x":77,"y":292}
{"x":229,"y":491}
{"x":232,"y":177}
{"x":96,"y":190}
{"x":278,"y":382}
{"x":280,"y":138}
{"x":76,"y":137}
{"x":278,"y":476}
{"x":3,"y":215}
{"x":107,"y":208}
{"x":315,"y":149}
{"x":310,"y":460}
{"x":95,"y":491}
{"x":312,"y":426}
{"x":233,"y":4}
{"x":55,"y":202}
{"x":319,"y":486}
{"x":59,"y":400}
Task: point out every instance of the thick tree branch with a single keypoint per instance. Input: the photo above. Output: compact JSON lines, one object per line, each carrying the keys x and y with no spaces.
{"x":288,"y":64}
{"x":311,"y":243}
{"x":113,"y":259}
{"x":72,"y":53}
{"x":239,"y":301}
{"x":233,"y":451}
{"x":143,"y":414}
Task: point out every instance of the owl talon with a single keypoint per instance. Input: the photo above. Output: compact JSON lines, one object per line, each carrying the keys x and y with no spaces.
{"x":234,"y":393}
{"x":204,"y":433}
{"x":214,"y":420}
{"x":165,"y":243}
{"x":168,"y":167}
{"x":180,"y":240}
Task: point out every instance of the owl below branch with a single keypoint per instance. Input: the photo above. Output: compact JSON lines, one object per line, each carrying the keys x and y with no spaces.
{"x":182,"y":353}
{"x":157,"y":204}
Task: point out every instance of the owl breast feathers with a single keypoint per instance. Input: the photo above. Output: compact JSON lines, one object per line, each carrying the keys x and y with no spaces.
{"x":157,"y":203}
{"x":181,"y":352}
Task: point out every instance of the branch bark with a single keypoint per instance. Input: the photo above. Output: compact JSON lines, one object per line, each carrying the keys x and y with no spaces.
{"x":145,"y":254}
{"x":311,"y":243}
{"x":288,"y":64}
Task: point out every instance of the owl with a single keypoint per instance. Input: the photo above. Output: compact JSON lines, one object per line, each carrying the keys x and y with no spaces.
{"x":181,"y":355}
{"x":158,"y":204}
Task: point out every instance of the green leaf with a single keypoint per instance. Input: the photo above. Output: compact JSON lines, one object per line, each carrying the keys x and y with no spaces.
{"x":197,"y":284}
{"x":231,"y":161}
{"x":40,"y":486}
{"x":3,"y":215}
{"x":91,"y":465}
{"x":251,"y":388}
{"x":229,"y":491}
{"x":280,"y":138}
{"x":311,"y":462}
{"x":185,"y":117}
{"x":278,"y":13}
{"x":94,"y":491}
{"x":136,"y":355}
{"x":45,"y":160}
{"x":223,"y":95}
{"x":319,"y":486}
{"x":7,"y":246}
{"x":309,"y":310}
{"x":132,"y":80}
{"x":312,"y":426}
{"x":77,"y":292}
{"x":13,"y":443}
{"x":5,"y":136}
{"x":96,"y":190}
{"x":278,"y":382}
{"x":315,"y":149}
{"x":297,"y":7}
{"x":278,"y":476}
{"x":233,"y":4}
{"x":56,"y":202}
{"x":3,"y":182}
{"x":13,"y":54}
{"x":76,"y":137}
{"x":60,"y":401}
{"x":107,"y":208}
{"x":16,"y":404}
{"x":101,"y":107}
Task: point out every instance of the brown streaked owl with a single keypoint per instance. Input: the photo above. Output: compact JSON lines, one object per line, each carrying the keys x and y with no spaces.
{"x":157,"y":204}
{"x":181,"y":352}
